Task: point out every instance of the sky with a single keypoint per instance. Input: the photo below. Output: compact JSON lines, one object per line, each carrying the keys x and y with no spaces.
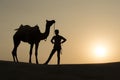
{"x":86,"y":24}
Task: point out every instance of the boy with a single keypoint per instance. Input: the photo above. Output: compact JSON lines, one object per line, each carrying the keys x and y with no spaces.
{"x":57,"y":40}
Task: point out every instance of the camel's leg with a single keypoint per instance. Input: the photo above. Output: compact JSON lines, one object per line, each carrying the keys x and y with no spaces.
{"x":31,"y":47}
{"x":36,"y":52}
{"x":14,"y":52}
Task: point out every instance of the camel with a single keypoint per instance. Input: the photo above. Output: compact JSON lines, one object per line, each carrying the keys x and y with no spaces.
{"x":31,"y":35}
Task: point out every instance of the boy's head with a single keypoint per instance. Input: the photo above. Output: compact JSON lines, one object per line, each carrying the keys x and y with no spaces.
{"x":56,"y":31}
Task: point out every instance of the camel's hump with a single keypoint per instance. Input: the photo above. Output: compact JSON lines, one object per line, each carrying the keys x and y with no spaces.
{"x":27,"y":27}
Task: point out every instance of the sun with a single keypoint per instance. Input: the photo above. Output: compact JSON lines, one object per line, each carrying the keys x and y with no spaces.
{"x":100,"y":51}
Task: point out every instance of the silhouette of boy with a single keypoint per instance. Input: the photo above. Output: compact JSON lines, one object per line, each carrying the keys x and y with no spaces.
{"x":57,"y":40}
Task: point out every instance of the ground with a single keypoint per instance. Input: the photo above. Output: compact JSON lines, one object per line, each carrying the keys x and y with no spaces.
{"x":25,"y":71}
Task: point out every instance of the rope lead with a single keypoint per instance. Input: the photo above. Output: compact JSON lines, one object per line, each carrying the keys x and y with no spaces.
{"x":54,"y":28}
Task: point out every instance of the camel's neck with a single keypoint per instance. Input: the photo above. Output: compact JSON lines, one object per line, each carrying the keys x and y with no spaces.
{"x":46,"y":33}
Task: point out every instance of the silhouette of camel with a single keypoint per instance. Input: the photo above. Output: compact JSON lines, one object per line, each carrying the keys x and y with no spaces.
{"x":32,"y":35}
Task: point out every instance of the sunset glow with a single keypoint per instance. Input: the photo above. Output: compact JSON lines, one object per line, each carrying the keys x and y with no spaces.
{"x":100,"y":51}
{"x":91,"y":27}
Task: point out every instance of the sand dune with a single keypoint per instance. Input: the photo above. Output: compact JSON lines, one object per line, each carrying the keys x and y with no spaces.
{"x":25,"y":71}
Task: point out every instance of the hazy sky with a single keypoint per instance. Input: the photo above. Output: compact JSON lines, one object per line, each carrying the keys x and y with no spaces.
{"x":85,"y":23}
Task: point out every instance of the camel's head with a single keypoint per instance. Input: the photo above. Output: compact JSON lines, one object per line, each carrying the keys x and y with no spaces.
{"x":50,"y":23}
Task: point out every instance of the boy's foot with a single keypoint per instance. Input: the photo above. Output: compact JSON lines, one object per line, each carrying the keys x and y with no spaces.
{"x":45,"y":64}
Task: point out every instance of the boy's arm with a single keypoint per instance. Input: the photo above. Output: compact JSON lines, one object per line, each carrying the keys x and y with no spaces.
{"x":52,"y":40}
{"x":63,"y":40}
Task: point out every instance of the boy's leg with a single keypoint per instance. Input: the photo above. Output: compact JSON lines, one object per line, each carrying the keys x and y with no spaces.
{"x":58,"y":56}
{"x":52,"y":52}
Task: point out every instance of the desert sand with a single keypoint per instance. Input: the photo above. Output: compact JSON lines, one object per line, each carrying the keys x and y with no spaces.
{"x":25,"y":71}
